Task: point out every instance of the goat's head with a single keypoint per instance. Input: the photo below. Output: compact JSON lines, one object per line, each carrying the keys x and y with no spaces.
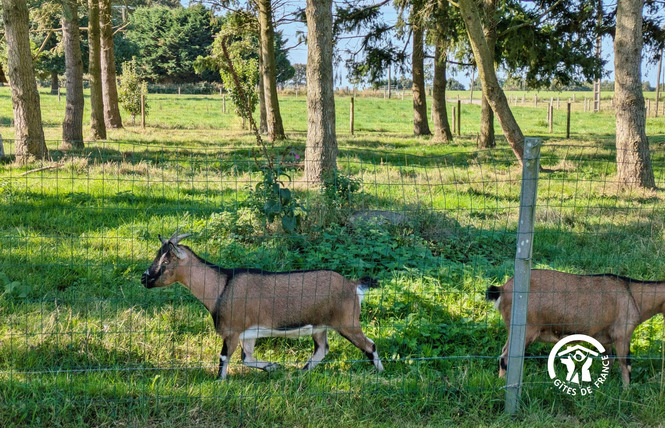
{"x":162,"y":271}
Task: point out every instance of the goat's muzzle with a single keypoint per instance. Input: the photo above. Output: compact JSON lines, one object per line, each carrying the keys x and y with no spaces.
{"x":147,"y":280}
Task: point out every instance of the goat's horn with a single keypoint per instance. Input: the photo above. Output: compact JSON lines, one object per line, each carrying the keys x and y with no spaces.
{"x":177,"y":238}
{"x":164,"y":241}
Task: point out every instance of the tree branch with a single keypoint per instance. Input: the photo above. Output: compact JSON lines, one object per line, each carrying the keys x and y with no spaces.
{"x":524,"y":24}
{"x":120,"y":28}
{"x":43,"y":46}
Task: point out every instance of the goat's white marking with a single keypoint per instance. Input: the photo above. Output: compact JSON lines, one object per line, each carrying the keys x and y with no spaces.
{"x":146,"y":272}
{"x":360,"y":291}
{"x":222,"y":358}
{"x":257,"y":331}
{"x":496,"y":304}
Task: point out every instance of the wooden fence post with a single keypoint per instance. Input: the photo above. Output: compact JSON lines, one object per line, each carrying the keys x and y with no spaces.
{"x":522,"y":274}
{"x":568,"y":121}
{"x":648,"y":107}
{"x":351,"y":115}
{"x":142,"y":110}
{"x":459,"y":116}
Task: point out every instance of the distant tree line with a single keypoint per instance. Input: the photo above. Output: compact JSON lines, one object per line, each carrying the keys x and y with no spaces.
{"x":541,"y":44}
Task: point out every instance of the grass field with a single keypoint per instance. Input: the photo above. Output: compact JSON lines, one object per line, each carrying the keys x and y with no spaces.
{"x":83,"y":343}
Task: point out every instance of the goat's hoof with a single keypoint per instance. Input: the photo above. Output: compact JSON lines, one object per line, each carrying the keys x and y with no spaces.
{"x":272,"y":367}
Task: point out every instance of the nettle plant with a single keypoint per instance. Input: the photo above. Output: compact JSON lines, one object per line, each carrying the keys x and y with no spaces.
{"x":271,"y":197}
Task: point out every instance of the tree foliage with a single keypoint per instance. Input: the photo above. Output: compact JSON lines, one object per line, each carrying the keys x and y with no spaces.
{"x":168,"y":41}
{"x":285,"y":71}
{"x":239,"y":32}
{"x":46,"y":43}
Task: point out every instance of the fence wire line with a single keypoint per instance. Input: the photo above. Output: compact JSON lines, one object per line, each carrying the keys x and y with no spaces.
{"x":435,"y":230}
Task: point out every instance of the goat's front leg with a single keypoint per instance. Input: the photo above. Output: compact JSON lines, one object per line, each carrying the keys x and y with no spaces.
{"x":356,"y":336}
{"x":249,"y":360}
{"x":228,"y":348}
{"x":320,"y":350}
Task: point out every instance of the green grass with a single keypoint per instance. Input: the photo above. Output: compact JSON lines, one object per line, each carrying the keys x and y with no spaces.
{"x":83,"y":343}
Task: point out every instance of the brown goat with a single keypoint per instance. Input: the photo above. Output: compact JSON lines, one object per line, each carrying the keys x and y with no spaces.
{"x":606,"y":307}
{"x":247,"y":304}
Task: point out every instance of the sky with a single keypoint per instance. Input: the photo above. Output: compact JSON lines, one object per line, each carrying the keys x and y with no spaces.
{"x":299,"y":54}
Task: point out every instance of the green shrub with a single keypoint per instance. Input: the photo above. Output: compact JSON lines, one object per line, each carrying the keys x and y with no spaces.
{"x":130,"y":90}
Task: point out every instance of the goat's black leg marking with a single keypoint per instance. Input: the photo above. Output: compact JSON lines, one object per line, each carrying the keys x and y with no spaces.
{"x":370,"y":354}
{"x":228,"y":348}
{"x":222,"y":361}
{"x":362,"y":342}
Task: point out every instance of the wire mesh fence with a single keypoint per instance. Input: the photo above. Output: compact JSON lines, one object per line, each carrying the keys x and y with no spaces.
{"x":81,"y":339}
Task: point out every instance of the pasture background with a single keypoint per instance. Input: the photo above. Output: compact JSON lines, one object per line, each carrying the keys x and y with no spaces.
{"x":82,"y":343}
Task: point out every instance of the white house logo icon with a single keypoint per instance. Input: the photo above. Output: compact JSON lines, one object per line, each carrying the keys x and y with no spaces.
{"x":572,"y":358}
{"x":577,"y":360}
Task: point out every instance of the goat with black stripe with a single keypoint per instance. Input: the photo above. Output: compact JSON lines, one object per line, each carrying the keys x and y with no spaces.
{"x":247,"y":304}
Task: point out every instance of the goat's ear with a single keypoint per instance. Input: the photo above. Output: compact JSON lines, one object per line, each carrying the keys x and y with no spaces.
{"x":177,"y":251}
{"x":164,"y":241}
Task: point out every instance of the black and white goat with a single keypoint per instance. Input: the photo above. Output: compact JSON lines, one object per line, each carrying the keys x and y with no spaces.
{"x":247,"y":304}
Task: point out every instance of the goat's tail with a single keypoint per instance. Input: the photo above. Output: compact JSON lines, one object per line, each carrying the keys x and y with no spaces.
{"x":362,"y":285}
{"x":493,"y":293}
{"x":367,"y":282}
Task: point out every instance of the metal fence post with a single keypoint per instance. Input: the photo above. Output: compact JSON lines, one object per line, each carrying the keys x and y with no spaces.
{"x":522,"y":273}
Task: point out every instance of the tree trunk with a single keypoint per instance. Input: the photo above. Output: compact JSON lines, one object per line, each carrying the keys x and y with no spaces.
{"x":633,"y":158}
{"x":112,"y":117}
{"x":29,"y":139}
{"x":487,"y":139}
{"x":55,"y":83}
{"x":72,"y":126}
{"x":420,"y":125}
{"x":321,"y":147}
{"x":490,"y":84}
{"x":263,"y":120}
{"x":97,"y":126}
{"x":442,"y":132}
{"x":269,"y":76}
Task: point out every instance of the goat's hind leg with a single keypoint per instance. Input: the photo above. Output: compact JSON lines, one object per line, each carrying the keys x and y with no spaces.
{"x":623,"y":356}
{"x":249,"y":360}
{"x":503,"y":360}
{"x":320,"y":350}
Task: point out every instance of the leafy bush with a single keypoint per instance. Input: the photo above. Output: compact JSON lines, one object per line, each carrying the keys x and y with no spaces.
{"x":130,"y":90}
